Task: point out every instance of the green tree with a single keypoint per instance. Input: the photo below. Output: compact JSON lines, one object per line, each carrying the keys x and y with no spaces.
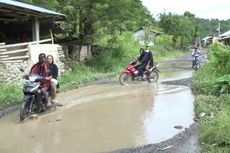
{"x":181,"y":27}
{"x":101,"y":21}
{"x":98,"y":21}
{"x":50,"y":4}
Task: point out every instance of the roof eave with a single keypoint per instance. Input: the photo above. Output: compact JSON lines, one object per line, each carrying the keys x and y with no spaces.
{"x":33,"y":9}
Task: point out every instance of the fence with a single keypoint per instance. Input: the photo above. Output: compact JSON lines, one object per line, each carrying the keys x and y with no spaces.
{"x":17,"y":53}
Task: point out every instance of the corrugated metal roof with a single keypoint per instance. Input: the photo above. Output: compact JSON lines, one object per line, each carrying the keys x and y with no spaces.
{"x":30,"y":7}
{"x":208,"y":37}
{"x":225,"y":34}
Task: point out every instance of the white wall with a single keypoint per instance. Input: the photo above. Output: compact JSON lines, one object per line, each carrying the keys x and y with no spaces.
{"x":85,"y":53}
{"x":48,"y":49}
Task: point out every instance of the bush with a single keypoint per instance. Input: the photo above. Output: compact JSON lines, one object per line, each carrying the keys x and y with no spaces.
{"x":213,"y":78}
{"x":164,"y":43}
{"x":222,"y":85}
{"x":220,"y":57}
{"x":214,"y":130}
{"x":207,"y":104}
{"x":9,"y":94}
{"x":203,"y":80}
{"x":116,"y":54}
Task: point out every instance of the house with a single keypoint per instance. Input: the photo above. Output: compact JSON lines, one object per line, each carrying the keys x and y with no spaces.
{"x":146,"y":35}
{"x":21,"y":27}
{"x":225,"y":38}
{"x":207,"y":41}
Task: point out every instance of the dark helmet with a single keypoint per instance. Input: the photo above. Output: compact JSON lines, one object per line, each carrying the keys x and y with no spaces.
{"x":41,"y":57}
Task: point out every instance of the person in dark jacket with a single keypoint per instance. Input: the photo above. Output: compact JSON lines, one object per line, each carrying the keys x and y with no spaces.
{"x":149,"y":57}
{"x":142,"y":53}
{"x":53,"y":71}
{"x":150,"y":62}
{"x":146,"y":62}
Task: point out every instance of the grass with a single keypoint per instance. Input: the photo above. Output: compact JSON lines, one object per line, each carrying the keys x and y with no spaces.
{"x":9,"y":95}
{"x":215,"y":126}
{"x":204,"y":80}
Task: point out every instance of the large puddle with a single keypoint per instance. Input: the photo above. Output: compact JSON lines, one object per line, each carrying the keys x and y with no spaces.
{"x":101,"y":118}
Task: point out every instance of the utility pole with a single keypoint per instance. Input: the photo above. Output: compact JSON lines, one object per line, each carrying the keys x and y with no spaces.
{"x":219,"y":29}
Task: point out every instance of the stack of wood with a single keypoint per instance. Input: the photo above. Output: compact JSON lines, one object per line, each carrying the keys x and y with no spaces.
{"x":14,"y":53}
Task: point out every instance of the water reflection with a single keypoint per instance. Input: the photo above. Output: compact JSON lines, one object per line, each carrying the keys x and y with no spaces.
{"x":169,"y":110}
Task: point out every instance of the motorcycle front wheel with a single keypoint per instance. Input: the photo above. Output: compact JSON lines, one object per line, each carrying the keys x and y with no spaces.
{"x":124,"y":78}
{"x":197,"y":66}
{"x":154,"y":76}
{"x":25,"y":109}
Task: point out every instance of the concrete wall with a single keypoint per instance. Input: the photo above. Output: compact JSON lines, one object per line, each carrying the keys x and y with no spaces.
{"x":49,"y":49}
{"x":13,"y":72}
{"x":86,"y":51}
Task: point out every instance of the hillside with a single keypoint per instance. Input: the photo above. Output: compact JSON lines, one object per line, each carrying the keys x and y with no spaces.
{"x":209,"y":27}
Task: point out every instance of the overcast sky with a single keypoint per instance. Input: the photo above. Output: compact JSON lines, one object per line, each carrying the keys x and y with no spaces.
{"x":217,"y":9}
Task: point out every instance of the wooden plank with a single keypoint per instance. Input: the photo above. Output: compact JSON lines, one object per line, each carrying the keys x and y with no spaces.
{"x":11,"y":61}
{"x":4,"y":56}
{"x":15,"y":58}
{"x":9,"y":20}
{"x":3,"y":50}
{"x":5,"y":10}
{"x":15,"y":51}
{"x":41,"y":41}
{"x":26,"y":43}
{"x":2,"y":43}
{"x":14,"y":45}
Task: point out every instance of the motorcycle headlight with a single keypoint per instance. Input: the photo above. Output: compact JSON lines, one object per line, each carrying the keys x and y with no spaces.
{"x":30,"y":86}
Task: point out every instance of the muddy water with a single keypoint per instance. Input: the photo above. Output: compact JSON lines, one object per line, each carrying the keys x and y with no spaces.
{"x":175,"y":70}
{"x":101,"y":118}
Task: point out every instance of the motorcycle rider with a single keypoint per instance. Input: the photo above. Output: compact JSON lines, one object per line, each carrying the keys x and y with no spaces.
{"x":140,"y":66}
{"x":142,"y":53}
{"x":195,"y":53}
{"x":41,"y":68}
{"x":146,"y":60}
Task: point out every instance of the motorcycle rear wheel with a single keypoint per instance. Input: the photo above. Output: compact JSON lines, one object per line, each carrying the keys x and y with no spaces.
{"x":154,"y":76}
{"x":124,"y":78}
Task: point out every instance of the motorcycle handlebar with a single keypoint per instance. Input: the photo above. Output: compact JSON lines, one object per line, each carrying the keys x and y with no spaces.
{"x":34,"y":77}
{"x":132,"y":62}
{"x":39,"y":79}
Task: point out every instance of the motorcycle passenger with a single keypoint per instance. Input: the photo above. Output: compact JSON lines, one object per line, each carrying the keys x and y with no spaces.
{"x":54,"y":84}
{"x":41,"y":68}
{"x":195,"y":54}
{"x":150,"y":57}
{"x":140,"y":66}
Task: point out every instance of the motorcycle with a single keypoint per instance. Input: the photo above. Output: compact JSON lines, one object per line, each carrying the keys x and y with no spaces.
{"x":196,"y":62}
{"x":129,"y":74}
{"x":33,"y":101}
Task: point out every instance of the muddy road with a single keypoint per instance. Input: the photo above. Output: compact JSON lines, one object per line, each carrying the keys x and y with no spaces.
{"x":108,"y":117}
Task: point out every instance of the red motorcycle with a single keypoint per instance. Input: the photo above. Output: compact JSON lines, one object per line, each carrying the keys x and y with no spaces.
{"x":129,"y":74}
